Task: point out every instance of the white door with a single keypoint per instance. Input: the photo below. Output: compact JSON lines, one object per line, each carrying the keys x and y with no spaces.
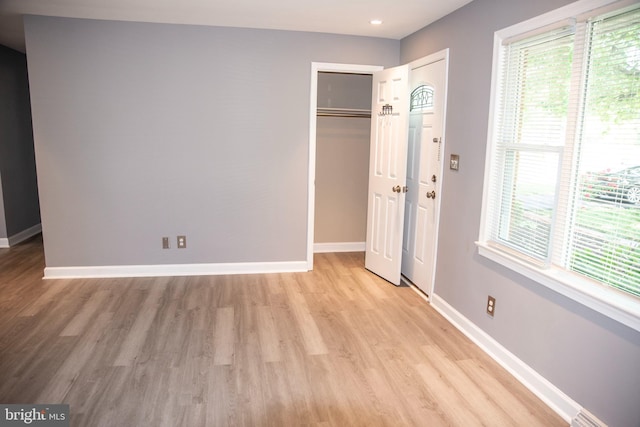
{"x":424,"y":171}
{"x":387,"y":172}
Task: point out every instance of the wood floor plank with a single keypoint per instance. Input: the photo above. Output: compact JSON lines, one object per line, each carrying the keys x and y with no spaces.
{"x":269,"y":338}
{"x":475,"y":397}
{"x":223,"y":408}
{"x":137,"y":335}
{"x":314,"y":343}
{"x":418,"y":404}
{"x":385,"y":397}
{"x":337,"y":346}
{"x":279,"y":409}
{"x":64,"y":377}
{"x":83,"y":318}
{"x":376,"y":287}
{"x":49,"y":291}
{"x":224,"y":338}
{"x":448,"y":400}
{"x":504,"y":396}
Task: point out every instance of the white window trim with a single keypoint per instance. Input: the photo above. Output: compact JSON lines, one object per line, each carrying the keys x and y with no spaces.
{"x":607,"y":301}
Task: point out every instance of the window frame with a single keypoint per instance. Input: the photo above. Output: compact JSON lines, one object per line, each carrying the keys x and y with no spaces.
{"x":610,"y":302}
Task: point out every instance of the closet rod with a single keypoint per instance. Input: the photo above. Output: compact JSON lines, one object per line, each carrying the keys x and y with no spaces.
{"x":343,"y":112}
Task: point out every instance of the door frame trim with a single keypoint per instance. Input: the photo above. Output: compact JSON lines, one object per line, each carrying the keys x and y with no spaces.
{"x":313,"y":106}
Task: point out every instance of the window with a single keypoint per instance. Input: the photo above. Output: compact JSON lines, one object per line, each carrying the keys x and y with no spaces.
{"x":421,"y":98}
{"x":562,"y":190}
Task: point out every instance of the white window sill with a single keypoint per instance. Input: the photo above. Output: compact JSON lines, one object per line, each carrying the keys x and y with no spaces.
{"x":607,"y":301}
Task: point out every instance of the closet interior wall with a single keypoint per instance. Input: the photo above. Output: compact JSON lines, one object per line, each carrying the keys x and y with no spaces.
{"x":342,"y":158}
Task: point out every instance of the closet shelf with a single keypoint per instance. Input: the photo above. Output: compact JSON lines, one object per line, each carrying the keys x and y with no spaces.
{"x":343,"y":112}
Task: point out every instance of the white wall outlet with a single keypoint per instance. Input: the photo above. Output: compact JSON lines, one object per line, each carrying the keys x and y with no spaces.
{"x":182,"y":242}
{"x":491,"y":306}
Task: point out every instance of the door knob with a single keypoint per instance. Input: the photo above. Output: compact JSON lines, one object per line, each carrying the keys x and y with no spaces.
{"x":431,"y":195}
{"x":396,"y":189}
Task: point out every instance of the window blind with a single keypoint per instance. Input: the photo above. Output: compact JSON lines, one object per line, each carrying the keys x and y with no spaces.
{"x":531,"y":126}
{"x":564,"y":181}
{"x":604,"y":243}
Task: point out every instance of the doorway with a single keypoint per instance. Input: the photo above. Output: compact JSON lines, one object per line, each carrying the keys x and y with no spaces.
{"x":417,"y":90}
{"x":317,"y":68}
{"x":417,"y":240}
{"x":342,"y":161}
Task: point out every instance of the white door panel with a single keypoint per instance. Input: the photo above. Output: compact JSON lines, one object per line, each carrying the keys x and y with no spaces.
{"x":425,"y":166}
{"x":387,"y":173}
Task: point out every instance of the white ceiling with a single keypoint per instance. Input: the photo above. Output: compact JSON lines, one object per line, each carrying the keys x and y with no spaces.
{"x":400,"y":17}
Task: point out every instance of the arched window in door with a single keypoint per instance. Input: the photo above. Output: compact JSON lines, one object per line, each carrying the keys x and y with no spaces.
{"x":422,"y":98}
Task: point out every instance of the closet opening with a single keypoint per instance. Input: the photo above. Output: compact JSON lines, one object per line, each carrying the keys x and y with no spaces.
{"x":340,"y":130}
{"x":343,"y":132}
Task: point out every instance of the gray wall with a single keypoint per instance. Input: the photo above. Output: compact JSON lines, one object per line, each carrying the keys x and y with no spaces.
{"x":342,"y":160}
{"x":17,"y":165}
{"x":591,"y":358}
{"x":344,"y":90}
{"x":149,"y":130}
{"x":342,"y":179}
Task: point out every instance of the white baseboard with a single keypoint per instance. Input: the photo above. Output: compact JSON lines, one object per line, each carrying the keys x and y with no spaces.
{"x":173,"y":270}
{"x":339,"y":247}
{"x":21,"y":236}
{"x":562,"y":404}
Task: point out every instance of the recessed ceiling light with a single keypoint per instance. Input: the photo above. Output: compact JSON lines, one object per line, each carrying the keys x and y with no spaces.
{"x":375,"y":22}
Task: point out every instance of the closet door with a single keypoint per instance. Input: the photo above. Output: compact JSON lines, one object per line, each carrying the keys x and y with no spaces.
{"x":387,"y":172}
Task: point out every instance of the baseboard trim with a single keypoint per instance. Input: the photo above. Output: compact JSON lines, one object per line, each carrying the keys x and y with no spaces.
{"x":319,"y":248}
{"x":21,"y":236}
{"x":109,"y":271}
{"x":562,"y":404}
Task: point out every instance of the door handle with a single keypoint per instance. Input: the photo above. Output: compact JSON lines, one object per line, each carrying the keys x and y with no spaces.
{"x":396,"y":189}
{"x":431,"y":195}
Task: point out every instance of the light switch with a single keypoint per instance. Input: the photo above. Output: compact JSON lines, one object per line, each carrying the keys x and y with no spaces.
{"x":454,"y":162}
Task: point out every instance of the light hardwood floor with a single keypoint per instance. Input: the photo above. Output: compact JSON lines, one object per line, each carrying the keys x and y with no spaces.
{"x":334,"y":347}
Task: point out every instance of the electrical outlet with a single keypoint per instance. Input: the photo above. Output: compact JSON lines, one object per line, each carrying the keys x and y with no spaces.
{"x":491,"y":306}
{"x":182,"y":242}
{"x":165,"y":243}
